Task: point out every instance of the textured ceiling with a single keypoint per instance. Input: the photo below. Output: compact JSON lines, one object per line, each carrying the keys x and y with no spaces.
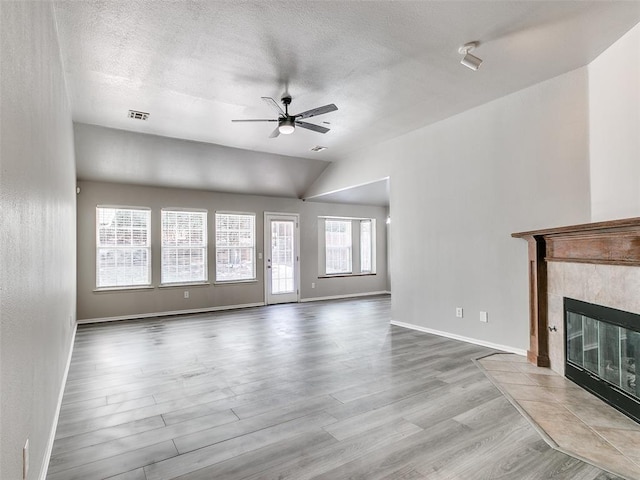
{"x":390,"y":67}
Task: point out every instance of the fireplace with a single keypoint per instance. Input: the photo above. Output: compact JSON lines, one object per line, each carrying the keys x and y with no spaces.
{"x":575,"y":271}
{"x":602,"y":353}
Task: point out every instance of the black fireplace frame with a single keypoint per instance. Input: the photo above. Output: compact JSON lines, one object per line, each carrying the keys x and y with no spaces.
{"x":614,"y":396}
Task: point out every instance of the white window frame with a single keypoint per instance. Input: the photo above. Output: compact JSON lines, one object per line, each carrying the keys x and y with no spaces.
{"x":366,"y":247}
{"x":118,"y":248}
{"x":251,"y":248}
{"x":188,"y":245}
{"x":346,"y":248}
{"x":356,"y":247}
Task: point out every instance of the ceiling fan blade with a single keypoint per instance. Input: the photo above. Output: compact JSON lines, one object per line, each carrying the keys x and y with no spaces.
{"x":273,"y":104}
{"x":311,"y":126}
{"x":255,"y":120}
{"x":275,"y":133}
{"x":317,"y":111}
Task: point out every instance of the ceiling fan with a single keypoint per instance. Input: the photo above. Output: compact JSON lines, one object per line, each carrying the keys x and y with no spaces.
{"x":288,"y":123}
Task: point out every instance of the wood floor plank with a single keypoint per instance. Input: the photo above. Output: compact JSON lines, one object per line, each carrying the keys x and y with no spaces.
{"x":122,"y":445}
{"x":112,"y":466}
{"x":137,"y":474}
{"x":405,"y":452}
{"x":67,"y":429}
{"x":210,"y":436}
{"x":104,"y":410}
{"x":69,"y":408}
{"x":263,"y":459}
{"x":322,"y":390}
{"x":76,"y":442}
{"x":381,"y":399}
{"x":325,"y":459}
{"x":204,"y":457}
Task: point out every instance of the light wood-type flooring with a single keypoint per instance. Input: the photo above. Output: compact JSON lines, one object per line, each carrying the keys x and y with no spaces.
{"x":323,"y":390}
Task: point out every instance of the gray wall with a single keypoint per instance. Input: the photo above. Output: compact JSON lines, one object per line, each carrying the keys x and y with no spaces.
{"x":109,"y":155}
{"x":37,"y":200}
{"x":92,"y":305}
{"x":614,"y":140}
{"x":460,"y":187}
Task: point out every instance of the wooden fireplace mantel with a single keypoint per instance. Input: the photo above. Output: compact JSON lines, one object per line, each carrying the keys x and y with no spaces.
{"x":616,"y":242}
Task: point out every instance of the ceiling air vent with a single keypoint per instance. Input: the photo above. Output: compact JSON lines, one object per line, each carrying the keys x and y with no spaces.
{"x":318,"y":148}
{"x":138,"y":115}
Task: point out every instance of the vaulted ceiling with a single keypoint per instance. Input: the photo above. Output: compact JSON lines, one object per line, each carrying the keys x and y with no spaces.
{"x":389,"y":66}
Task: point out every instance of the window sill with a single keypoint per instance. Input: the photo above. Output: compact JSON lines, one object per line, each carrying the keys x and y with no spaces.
{"x":122,"y":289}
{"x":186,"y":284}
{"x":235,"y":282}
{"x":339,"y":275}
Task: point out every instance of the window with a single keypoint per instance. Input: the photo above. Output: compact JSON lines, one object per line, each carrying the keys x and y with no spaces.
{"x":123,"y":248}
{"x":337,"y":246}
{"x":184,"y":246}
{"x":346,"y":246}
{"x":235,"y":247}
{"x":365,"y":246}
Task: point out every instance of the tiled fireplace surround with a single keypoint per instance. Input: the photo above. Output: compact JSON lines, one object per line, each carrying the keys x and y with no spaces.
{"x":614,"y":286}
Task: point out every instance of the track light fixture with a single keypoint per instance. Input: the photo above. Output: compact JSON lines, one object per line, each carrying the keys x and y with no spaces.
{"x":469,"y":61}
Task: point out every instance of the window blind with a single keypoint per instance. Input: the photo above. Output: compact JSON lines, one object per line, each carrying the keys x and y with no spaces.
{"x":123,"y":248}
{"x":338,"y":246}
{"x":184,"y":246}
{"x":235,"y":247}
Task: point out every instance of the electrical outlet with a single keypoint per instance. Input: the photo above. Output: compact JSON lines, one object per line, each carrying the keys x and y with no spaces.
{"x":459,"y":312}
{"x":186,"y":294}
{"x":25,"y":460}
{"x":313,"y":284}
{"x":484,"y":317}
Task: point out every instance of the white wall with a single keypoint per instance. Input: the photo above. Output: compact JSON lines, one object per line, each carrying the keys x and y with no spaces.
{"x":460,"y":187}
{"x":614,"y":142}
{"x":37,"y":199}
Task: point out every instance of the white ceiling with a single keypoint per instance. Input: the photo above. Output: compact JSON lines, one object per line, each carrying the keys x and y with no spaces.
{"x":390,"y":67}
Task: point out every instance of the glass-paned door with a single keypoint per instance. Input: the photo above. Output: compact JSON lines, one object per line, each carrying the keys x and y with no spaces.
{"x":282,"y":260}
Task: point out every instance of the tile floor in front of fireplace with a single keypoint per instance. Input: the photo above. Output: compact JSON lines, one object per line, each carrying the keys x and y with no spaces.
{"x":570,"y":418}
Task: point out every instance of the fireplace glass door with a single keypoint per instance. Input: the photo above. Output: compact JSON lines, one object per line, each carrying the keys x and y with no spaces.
{"x":602,"y":356}
{"x":605,"y":350}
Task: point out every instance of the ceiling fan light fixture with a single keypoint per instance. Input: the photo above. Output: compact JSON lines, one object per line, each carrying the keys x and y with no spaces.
{"x":469,"y":61}
{"x":286,"y":126}
{"x":287,"y":123}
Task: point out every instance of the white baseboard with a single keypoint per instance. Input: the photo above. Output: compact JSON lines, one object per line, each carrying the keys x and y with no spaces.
{"x":52,"y":435}
{"x":482,"y":343}
{"x":167,"y":314}
{"x":339,"y":297}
